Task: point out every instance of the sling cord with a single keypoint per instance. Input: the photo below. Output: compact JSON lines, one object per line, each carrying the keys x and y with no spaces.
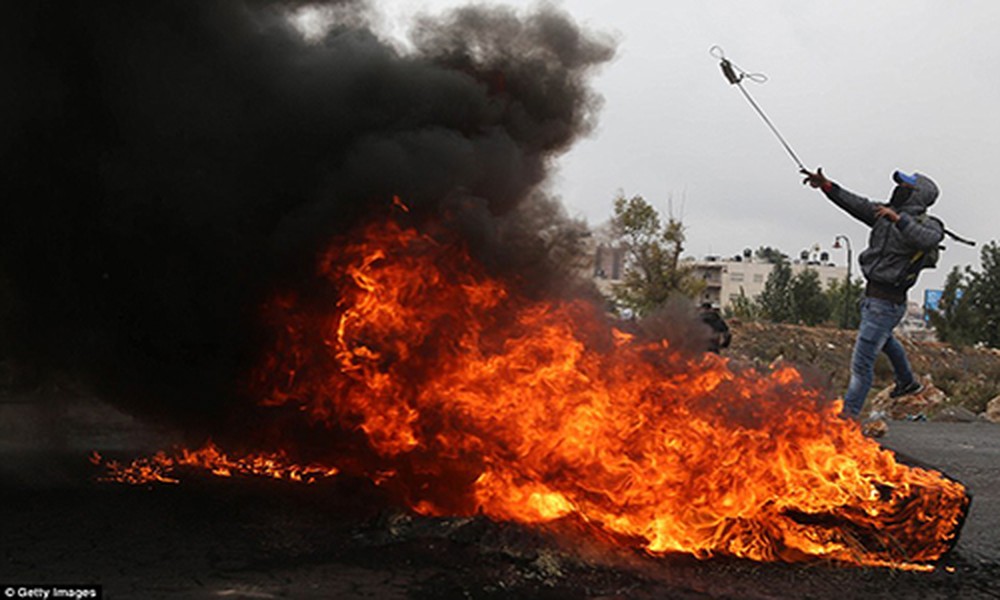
{"x":735,"y":76}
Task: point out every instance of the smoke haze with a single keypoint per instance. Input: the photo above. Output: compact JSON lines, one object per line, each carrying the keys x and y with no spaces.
{"x":169,"y":165}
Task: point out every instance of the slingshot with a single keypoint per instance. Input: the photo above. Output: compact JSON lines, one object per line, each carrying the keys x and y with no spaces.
{"x":735,"y":76}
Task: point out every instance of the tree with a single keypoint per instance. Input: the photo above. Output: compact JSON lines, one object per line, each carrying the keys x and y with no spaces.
{"x":969,"y":312}
{"x":743,"y":307}
{"x":653,"y":272}
{"x":793,"y":299}
{"x":982,"y":295}
{"x":842,"y":297}
{"x":770,"y":255}
{"x":775,"y":302}
{"x":954,"y":321}
{"x":809,"y":303}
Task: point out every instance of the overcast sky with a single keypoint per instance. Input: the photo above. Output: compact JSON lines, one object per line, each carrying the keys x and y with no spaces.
{"x":859,"y":87}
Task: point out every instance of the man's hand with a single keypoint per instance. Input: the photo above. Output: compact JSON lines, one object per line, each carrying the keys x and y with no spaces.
{"x":817,"y":179}
{"x":888,"y":213}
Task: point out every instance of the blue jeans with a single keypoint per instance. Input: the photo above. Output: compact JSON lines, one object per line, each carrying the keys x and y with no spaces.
{"x":878,"y":318}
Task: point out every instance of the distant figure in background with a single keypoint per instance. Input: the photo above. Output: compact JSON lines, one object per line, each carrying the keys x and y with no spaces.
{"x":903,"y":240}
{"x":721,"y":336}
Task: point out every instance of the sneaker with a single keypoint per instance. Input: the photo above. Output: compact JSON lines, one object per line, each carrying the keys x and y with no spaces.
{"x":915,"y":387}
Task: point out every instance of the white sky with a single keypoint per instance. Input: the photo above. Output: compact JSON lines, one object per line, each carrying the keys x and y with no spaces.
{"x":859,"y":87}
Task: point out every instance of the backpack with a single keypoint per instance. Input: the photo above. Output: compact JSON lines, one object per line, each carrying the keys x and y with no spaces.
{"x":921,"y":259}
{"x":928,"y":259}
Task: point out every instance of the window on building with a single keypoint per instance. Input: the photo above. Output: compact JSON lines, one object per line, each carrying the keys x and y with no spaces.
{"x":758,"y":278}
{"x":736,"y":277}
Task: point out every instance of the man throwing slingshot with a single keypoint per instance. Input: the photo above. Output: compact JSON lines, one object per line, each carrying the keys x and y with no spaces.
{"x":903,"y":240}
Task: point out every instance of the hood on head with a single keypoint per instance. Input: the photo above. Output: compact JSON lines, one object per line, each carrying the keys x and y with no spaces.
{"x":925,"y":191}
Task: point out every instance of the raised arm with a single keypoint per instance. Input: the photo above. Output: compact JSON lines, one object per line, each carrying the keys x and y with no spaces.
{"x":857,"y":206}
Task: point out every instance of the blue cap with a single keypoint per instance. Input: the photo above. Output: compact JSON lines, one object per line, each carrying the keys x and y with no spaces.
{"x":901,"y":177}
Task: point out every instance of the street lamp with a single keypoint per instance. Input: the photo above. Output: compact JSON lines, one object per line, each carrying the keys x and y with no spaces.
{"x":847,"y":282}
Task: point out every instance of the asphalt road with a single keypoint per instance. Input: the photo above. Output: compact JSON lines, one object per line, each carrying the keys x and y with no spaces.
{"x":970,"y":453}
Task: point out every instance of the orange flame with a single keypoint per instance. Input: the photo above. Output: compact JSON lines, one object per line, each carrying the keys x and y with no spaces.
{"x":161,"y":467}
{"x":471,"y":397}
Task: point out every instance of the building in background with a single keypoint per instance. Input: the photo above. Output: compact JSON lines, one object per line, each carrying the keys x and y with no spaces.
{"x":608,"y":265}
{"x":726,"y":279}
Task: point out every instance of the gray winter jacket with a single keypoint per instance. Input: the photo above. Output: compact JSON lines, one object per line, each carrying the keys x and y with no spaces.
{"x":887,"y":260}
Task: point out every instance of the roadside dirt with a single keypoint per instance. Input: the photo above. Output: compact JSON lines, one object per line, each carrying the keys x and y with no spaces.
{"x":968,"y":377}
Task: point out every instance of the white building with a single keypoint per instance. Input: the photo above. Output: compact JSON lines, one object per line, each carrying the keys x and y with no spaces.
{"x":726,"y":279}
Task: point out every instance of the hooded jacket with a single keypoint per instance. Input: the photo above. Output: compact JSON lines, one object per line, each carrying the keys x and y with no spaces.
{"x":888,"y":259}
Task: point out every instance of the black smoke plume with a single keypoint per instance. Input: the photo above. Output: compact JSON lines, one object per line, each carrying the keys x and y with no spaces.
{"x":168,"y":164}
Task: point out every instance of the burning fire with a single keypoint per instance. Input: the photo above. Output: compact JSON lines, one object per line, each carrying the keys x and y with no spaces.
{"x":466,"y":396}
{"x":160,"y":467}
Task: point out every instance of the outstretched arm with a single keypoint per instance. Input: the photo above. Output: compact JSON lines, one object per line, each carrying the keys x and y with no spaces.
{"x":858,"y":207}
